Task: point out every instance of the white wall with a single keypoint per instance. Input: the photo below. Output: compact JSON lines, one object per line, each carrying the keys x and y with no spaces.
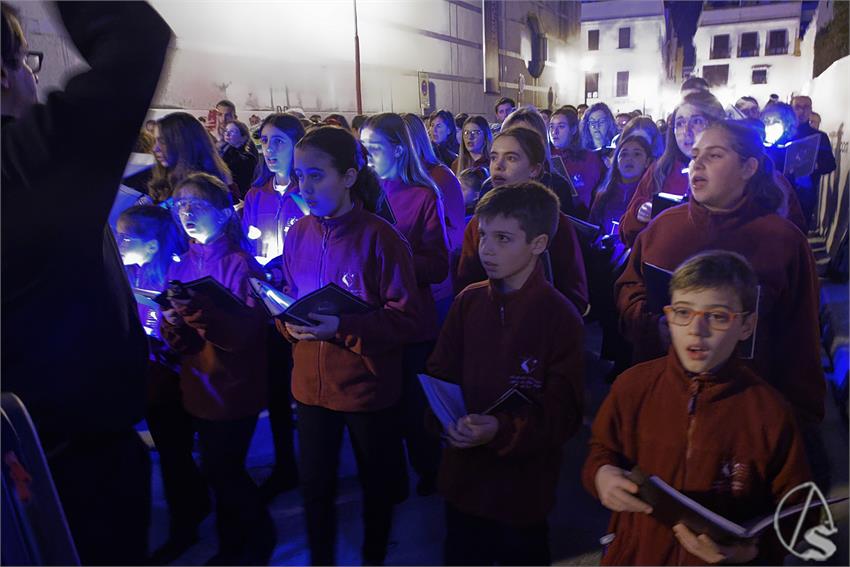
{"x":644,"y":61}
{"x":785,"y":73}
{"x":300,"y":53}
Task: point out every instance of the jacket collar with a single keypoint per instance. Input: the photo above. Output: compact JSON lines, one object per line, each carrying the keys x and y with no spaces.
{"x":215,"y":249}
{"x":730,"y":376}
{"x":744,"y":211}
{"x":535,"y":280}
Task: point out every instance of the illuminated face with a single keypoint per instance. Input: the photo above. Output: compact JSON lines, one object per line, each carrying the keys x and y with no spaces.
{"x":277,"y":150}
{"x":473,"y":138}
{"x":383,"y":156}
{"x":560,"y":132}
{"x":503,"y":110}
{"x":233,"y":136}
{"x":802,"y":106}
{"x":689,"y":124}
{"x":774,"y":128}
{"x":598,"y":124}
{"x":439,"y":130}
{"x":699,"y":345}
{"x":133,"y":248}
{"x":326,"y":192}
{"x":510,"y":164}
{"x":503,"y":247}
{"x":621,"y":121}
{"x":160,"y":151}
{"x":198,"y":217}
{"x":631,"y":160}
{"x":718,"y":175}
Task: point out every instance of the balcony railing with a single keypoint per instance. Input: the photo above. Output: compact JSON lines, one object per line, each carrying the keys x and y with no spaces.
{"x":720,"y":53}
{"x":777,"y":50}
{"x":748,"y":52}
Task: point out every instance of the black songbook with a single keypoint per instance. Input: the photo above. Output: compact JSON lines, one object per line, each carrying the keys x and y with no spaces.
{"x":663,"y":201}
{"x":384,"y":210}
{"x":801,"y":156}
{"x":657,"y":282}
{"x":509,"y":402}
{"x":671,"y":507}
{"x":559,"y":168}
{"x":328,"y":300}
{"x":586,"y":231}
{"x":209,"y":286}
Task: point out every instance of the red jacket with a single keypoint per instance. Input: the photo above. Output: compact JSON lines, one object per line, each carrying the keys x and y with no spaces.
{"x":532,"y":338}
{"x":729,"y":441}
{"x":360,"y":369}
{"x":586,"y":169}
{"x":223,"y":372}
{"x":568,"y":273}
{"x":675,"y":183}
{"x":455,"y":223}
{"x":610,"y":205}
{"x":787,"y":338}
{"x":421,"y":219}
{"x":273,"y":214}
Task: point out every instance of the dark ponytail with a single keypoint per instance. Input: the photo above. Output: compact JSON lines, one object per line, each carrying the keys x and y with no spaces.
{"x":347,"y":153}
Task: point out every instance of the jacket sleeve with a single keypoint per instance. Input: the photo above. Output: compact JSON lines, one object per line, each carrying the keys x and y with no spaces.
{"x":630,"y":226}
{"x":568,"y":270}
{"x":229,"y":330}
{"x":446,"y":361}
{"x":469,"y":268}
{"x":395,"y":322}
{"x":799,"y":373}
{"x":637,"y":325}
{"x":606,"y":445}
{"x":536,"y":430}
{"x":124,"y":44}
{"x":289,"y":287}
{"x":431,"y":259}
{"x":826,"y":160}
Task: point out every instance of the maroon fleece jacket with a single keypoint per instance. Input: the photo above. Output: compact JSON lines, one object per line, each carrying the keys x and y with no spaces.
{"x":787,"y":338}
{"x":729,"y":441}
{"x":360,"y":368}
{"x":533,"y":339}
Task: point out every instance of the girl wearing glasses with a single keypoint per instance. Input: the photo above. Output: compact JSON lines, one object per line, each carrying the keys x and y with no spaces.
{"x":475,"y":150}
{"x":734,"y":198}
{"x":668,"y":174}
{"x":597,"y":129}
{"x":223,"y":363}
{"x":585,"y":168}
{"x":183,"y":146}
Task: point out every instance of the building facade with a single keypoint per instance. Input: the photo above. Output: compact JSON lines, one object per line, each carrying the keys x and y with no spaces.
{"x":750,"y":48}
{"x":626,"y":55}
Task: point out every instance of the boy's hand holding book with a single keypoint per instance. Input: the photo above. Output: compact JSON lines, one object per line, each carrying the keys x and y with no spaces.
{"x":616,"y":491}
{"x":706,"y":549}
{"x":472,"y":430}
{"x":324,"y":330}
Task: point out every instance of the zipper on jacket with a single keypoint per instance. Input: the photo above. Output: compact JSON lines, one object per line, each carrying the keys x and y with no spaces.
{"x":325,"y":235}
{"x":502,"y":314}
{"x":695,"y":389}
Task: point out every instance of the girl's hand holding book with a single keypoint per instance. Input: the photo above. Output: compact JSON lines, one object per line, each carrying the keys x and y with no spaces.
{"x":324,"y":330}
{"x":706,"y":549}
{"x":472,"y":430}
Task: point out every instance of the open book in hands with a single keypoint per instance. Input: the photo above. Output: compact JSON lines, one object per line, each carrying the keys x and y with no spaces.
{"x":446,"y":400}
{"x":671,"y":507}
{"x":328,"y":300}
